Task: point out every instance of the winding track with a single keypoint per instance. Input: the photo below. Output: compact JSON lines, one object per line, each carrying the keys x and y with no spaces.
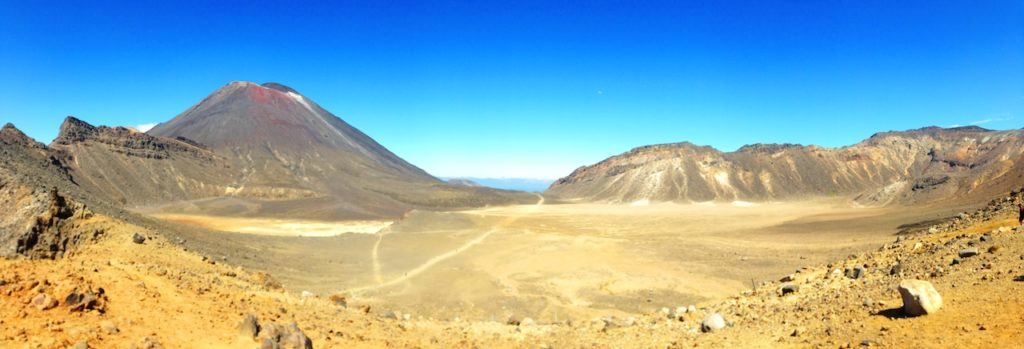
{"x":436,"y":259}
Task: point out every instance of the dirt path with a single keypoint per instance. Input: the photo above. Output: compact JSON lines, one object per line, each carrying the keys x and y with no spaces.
{"x":436,"y":259}
{"x":376,"y":259}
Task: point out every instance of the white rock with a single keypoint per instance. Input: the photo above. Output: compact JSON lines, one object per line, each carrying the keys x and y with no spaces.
{"x":713,"y":322}
{"x":691,"y":309}
{"x":919,"y":297}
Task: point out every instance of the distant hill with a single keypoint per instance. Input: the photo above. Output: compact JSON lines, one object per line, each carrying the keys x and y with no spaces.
{"x":524,"y":184}
{"x":918,"y":166}
{"x":463,"y":182}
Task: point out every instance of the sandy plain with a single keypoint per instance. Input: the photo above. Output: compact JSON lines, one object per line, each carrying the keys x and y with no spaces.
{"x":553,"y":262}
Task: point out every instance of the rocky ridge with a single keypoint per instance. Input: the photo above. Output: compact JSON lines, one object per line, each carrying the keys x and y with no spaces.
{"x":919,"y":166}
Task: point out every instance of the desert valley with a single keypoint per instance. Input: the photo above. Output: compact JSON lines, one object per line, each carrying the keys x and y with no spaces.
{"x":256,"y":218}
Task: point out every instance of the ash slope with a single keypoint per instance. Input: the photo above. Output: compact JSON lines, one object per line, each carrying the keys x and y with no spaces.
{"x":125,"y":166}
{"x":968,"y":164}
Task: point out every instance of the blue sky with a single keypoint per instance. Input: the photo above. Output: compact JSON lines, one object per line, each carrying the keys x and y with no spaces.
{"x":530,"y":88}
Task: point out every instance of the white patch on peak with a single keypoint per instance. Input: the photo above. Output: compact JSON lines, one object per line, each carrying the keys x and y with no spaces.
{"x":301,"y":100}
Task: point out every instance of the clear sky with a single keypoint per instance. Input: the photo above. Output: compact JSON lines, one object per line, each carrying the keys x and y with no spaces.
{"x":529,"y":88}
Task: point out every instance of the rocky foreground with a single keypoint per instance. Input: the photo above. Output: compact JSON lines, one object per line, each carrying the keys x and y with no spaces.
{"x":954,"y":283}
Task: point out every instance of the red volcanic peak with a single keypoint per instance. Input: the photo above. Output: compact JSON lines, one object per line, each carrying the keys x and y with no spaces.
{"x":263,"y":95}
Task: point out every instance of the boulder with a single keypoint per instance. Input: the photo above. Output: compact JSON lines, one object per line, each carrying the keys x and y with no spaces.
{"x":968,"y":252}
{"x":513,"y":320}
{"x":278,"y":336}
{"x":666,"y":311}
{"x":919,"y":297}
{"x":340,"y":300}
{"x":855,"y":272}
{"x":249,"y":328}
{"x":896,"y":269}
{"x":606,"y":323}
{"x":138,"y":238}
{"x":86,"y":301}
{"x":712,"y":322}
{"x":109,"y":327}
{"x":789,"y":288}
{"x":148,"y":342}
{"x":43,"y":301}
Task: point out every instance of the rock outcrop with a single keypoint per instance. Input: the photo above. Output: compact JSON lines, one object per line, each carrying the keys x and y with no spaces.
{"x":53,"y":233}
{"x":41,"y":219}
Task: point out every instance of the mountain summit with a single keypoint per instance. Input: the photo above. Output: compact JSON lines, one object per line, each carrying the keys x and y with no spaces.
{"x":273,"y":125}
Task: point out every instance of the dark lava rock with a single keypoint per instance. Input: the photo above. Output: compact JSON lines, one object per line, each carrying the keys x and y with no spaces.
{"x":855,"y":272}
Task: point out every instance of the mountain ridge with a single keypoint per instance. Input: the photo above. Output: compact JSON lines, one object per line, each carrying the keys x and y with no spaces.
{"x":887,"y":167}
